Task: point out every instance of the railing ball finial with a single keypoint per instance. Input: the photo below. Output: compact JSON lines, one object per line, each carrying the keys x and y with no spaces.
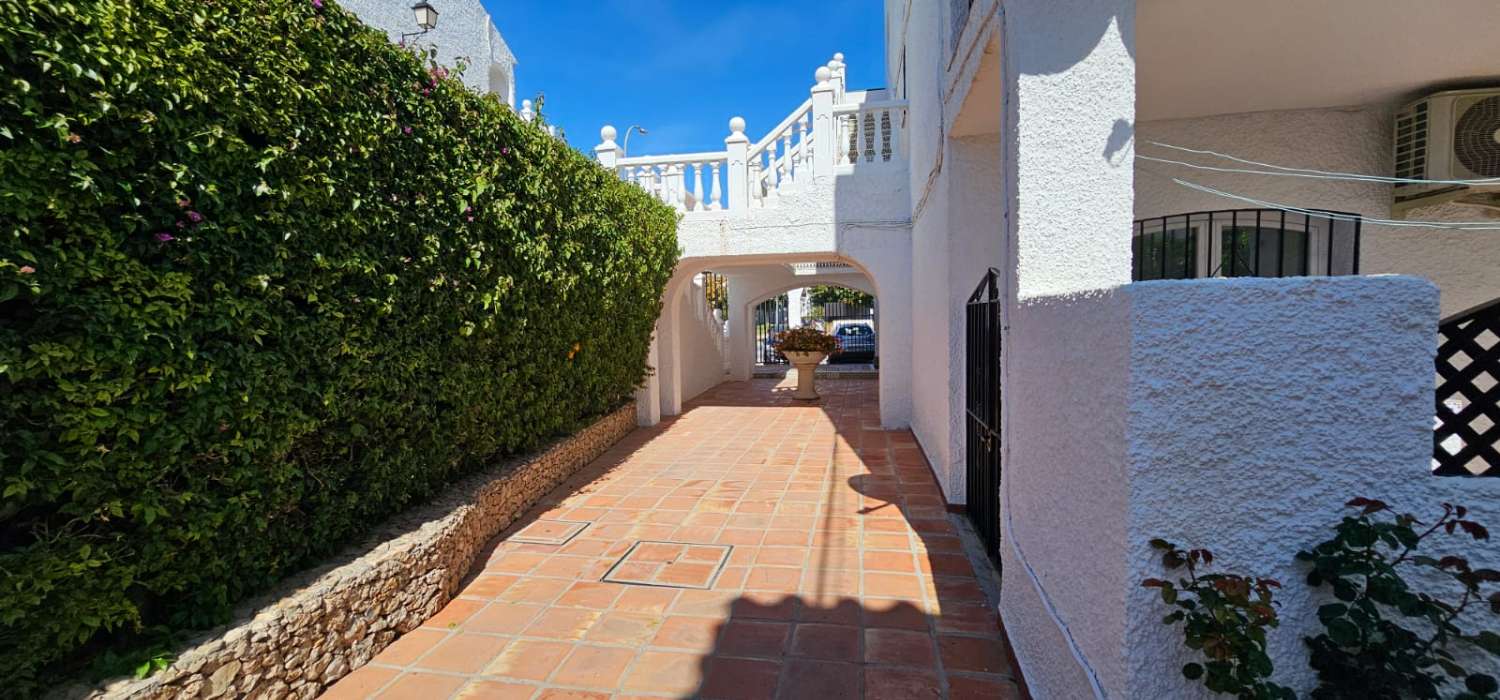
{"x":823,"y":74}
{"x":737,"y":125}
{"x":607,"y":134}
{"x":838,"y":56}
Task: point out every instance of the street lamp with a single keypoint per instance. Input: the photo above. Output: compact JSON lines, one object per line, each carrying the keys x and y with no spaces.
{"x":426,"y":16}
{"x":625,"y":147}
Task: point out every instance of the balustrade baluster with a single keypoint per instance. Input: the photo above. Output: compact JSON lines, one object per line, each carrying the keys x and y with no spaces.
{"x":785,"y":172}
{"x":867,"y":134}
{"x":851,"y":124}
{"x":801,"y":162}
{"x":757,"y":187}
{"x":885,"y":134}
{"x":698,"y":203}
{"x":771,"y":180}
{"x":717,"y":200}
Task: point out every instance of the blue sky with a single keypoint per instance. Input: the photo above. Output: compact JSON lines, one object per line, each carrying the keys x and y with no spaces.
{"x":682,"y":68}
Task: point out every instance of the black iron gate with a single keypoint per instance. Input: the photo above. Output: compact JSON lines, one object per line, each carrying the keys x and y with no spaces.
{"x":982,"y":387}
{"x":772,"y":316}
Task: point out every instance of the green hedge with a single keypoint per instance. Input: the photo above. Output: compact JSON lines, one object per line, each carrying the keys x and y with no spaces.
{"x":265,"y":280}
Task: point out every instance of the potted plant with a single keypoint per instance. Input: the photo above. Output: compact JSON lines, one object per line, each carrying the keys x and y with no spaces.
{"x":805,"y":347}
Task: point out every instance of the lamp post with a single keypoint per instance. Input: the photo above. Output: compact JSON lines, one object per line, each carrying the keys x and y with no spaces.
{"x":625,"y":147}
{"x":426,"y":16}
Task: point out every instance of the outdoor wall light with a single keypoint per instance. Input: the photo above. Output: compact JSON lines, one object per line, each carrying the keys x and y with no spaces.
{"x":426,"y":16}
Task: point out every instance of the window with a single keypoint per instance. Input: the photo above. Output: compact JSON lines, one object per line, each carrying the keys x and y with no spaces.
{"x":1245,"y":243}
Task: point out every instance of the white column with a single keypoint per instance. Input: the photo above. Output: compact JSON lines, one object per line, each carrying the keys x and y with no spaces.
{"x":796,"y":303}
{"x":648,"y":396}
{"x":607,"y":152}
{"x":824,"y":139}
{"x":741,"y":332}
{"x":738,"y":146}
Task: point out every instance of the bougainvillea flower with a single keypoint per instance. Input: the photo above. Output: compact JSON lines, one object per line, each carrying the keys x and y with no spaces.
{"x":195,"y":217}
{"x":25,"y":269}
{"x":163,"y":237}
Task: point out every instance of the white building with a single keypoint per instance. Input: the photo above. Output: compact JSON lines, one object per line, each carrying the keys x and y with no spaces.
{"x":464,"y":32}
{"x":1081,"y":149}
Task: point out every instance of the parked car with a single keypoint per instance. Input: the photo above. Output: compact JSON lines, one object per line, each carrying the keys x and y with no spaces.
{"x":857,"y":341}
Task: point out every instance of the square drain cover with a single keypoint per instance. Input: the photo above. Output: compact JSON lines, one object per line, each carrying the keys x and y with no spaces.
{"x":671,"y":564}
{"x":555,"y":532}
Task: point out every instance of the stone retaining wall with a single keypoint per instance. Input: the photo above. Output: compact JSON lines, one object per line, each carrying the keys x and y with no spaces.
{"x":316,"y":628}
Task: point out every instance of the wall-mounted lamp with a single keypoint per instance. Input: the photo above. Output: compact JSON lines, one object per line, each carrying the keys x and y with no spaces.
{"x":426,"y":16}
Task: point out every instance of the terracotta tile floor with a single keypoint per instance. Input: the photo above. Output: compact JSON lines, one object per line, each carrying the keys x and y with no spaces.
{"x":830,"y":567}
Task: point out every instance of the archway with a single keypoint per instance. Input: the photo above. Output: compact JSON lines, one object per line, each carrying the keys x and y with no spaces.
{"x":679,"y":369}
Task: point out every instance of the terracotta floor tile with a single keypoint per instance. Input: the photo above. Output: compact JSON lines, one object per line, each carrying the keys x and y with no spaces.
{"x":754,"y":639}
{"x":590,"y":594}
{"x":893,"y":585}
{"x":830,"y":642}
{"x":886,"y":612}
{"x":646,"y":599}
{"x":900,"y":561}
{"x":409,"y":646}
{"x":693,"y":633}
{"x":664,"y":673}
{"x":741,"y":679}
{"x":503,"y":618}
{"x":975,"y":654}
{"x":528,"y":659}
{"x":571,"y":694}
{"x":455,"y":613}
{"x":568,"y":624}
{"x":899,"y":648}
{"x":820,"y":680}
{"x":982,"y":688}
{"x":417,"y":685}
{"x":773,"y":578}
{"x":463,"y":653}
{"x":537,"y":591}
{"x":594,"y":667}
{"x":634,"y":629}
{"x":901,"y":684}
{"x":488,"y":586}
{"x":496,"y":690}
{"x":362,"y":683}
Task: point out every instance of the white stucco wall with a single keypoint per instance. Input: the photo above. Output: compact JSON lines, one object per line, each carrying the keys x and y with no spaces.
{"x":1236,"y":415}
{"x":465,"y":31}
{"x":702,"y":344}
{"x":862,"y":218}
{"x":1353,"y":139}
{"x":1257,"y":408}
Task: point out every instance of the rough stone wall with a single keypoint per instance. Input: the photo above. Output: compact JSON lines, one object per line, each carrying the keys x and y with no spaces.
{"x":316,"y":628}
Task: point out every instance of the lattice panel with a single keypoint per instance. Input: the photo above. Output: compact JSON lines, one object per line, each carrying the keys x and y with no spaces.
{"x":1466,"y":441}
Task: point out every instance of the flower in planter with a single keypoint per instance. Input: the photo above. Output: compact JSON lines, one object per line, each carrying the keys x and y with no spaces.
{"x":806,"y":339}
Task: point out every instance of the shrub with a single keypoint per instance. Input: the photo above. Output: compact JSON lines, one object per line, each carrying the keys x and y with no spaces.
{"x":1224,"y":617}
{"x":265,"y":280}
{"x":1386,"y":637}
{"x":806,"y":339}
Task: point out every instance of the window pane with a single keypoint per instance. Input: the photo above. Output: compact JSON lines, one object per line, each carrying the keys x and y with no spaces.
{"x":1293,"y":253}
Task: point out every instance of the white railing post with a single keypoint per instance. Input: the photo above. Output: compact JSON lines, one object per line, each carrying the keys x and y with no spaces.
{"x":836,"y":66}
{"x":824,"y":141}
{"x":607,"y":152}
{"x":738,"y":146}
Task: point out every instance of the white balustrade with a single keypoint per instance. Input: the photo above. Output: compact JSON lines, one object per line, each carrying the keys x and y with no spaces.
{"x":833,"y":128}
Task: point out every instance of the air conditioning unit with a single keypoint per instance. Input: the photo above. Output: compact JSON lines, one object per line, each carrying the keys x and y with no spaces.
{"x":1452,"y":135}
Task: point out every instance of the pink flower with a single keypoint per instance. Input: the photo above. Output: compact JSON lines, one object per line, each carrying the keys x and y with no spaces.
{"x":406,"y":130}
{"x":26,"y":269}
{"x":471,"y":219}
{"x":505,"y":150}
{"x":317,"y":4}
{"x":163,"y":237}
{"x":184,"y":203}
{"x":195,"y":217}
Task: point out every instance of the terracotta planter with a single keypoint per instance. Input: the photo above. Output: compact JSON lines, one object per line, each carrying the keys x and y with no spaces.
{"x":806,"y":364}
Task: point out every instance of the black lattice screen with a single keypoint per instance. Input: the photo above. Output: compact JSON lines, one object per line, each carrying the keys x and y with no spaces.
{"x":1468,"y":395}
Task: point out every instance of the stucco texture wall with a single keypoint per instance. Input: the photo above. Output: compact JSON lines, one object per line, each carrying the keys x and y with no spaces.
{"x":703,"y":344}
{"x":1257,"y":409}
{"x":1235,"y":415}
{"x":1354,"y":139}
